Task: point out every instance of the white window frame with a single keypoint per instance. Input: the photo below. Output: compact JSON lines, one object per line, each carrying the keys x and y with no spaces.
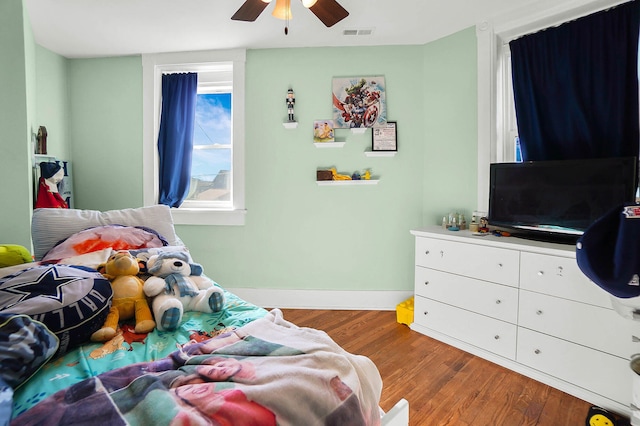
{"x":153,"y":66}
{"x":495,"y":104}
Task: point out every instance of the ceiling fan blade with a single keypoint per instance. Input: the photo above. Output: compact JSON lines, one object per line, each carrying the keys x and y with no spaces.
{"x":329,"y":12}
{"x":250,"y":10}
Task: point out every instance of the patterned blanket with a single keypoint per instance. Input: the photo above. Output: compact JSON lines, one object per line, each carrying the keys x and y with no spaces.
{"x":267,"y":372}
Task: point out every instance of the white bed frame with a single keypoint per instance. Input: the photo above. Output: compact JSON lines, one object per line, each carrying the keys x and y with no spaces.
{"x":398,"y":415}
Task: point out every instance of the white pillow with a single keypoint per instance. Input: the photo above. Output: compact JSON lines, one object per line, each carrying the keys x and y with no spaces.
{"x":50,"y":226}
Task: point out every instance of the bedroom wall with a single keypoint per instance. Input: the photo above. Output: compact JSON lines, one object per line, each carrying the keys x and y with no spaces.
{"x":298,"y":235}
{"x":17,"y":118}
{"x":451,"y":126}
{"x":52,"y":106}
{"x":105,"y":97}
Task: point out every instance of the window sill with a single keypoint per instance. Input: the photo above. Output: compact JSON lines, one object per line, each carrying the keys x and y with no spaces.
{"x":208,"y":217}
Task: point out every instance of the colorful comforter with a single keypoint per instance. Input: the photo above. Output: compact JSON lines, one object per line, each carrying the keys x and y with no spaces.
{"x":266,"y":372}
{"x":92,"y":359}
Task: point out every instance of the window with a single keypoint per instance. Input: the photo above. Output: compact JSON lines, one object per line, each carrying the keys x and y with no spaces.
{"x":497,"y":130}
{"x":216,"y":194}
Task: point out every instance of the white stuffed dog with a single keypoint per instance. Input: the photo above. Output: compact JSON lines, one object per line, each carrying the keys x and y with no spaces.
{"x":176,"y":285}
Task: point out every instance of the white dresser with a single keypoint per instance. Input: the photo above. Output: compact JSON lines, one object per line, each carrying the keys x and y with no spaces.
{"x":526,"y":306}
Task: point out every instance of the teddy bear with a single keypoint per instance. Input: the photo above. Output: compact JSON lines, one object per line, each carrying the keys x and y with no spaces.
{"x":177,"y":285}
{"x":129,"y":300}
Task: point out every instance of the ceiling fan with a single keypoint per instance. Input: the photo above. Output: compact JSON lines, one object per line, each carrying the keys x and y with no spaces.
{"x":328,"y":11}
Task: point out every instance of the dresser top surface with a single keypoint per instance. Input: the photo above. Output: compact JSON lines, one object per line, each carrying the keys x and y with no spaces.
{"x":513,"y":243}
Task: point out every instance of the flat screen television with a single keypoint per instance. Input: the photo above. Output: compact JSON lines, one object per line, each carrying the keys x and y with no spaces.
{"x":557,"y":200}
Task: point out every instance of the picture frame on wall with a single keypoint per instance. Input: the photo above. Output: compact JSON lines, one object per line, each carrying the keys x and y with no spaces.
{"x":359,"y":102}
{"x":323,"y":131}
{"x":384,"y":137}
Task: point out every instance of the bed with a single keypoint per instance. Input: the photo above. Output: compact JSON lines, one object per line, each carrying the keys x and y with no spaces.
{"x":240,"y":365}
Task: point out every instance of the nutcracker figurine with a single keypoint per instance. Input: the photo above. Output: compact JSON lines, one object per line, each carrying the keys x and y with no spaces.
{"x":291,"y":100}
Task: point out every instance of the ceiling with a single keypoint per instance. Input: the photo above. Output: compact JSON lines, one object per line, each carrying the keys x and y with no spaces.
{"x":99,"y":28}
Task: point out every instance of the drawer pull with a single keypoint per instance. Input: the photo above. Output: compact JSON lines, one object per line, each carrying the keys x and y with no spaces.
{"x":425,"y":312}
{"x":441,"y":253}
{"x":499,"y":265}
{"x":426,"y":283}
{"x":559,"y":271}
{"x":496,"y":337}
{"x":537,"y":351}
{"x":539,"y":312}
{"x":426,"y":252}
{"x":540,"y":273}
{"x":498,"y":302}
{"x":635,"y":339}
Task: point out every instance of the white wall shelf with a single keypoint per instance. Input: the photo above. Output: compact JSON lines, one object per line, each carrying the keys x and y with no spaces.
{"x":358,"y":130}
{"x":290,"y":124}
{"x":380,"y":153}
{"x":347,"y":182}
{"x":329,"y":144}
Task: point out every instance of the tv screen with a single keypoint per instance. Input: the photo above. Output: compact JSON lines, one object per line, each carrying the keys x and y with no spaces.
{"x":556,"y":198}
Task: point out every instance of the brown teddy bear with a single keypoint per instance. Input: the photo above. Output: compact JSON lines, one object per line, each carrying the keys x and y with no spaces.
{"x":129,"y":300}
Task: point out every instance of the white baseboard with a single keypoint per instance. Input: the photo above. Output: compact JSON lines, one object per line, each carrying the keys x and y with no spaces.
{"x":322,"y":299}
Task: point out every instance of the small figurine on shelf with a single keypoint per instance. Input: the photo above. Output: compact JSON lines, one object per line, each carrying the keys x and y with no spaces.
{"x":291,"y":100}
{"x":484,"y":225}
{"x":41,"y":138}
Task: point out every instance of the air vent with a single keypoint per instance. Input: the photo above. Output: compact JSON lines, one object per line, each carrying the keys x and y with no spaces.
{"x":360,"y":32}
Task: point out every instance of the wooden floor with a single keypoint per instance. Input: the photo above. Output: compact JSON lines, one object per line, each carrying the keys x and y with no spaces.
{"x":444,"y":386}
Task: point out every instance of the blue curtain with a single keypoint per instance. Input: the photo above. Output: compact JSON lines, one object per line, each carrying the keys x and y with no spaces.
{"x":175,"y":139}
{"x":576,"y":87}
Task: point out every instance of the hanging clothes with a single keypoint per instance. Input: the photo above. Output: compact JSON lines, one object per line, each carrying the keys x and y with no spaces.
{"x":48,"y":196}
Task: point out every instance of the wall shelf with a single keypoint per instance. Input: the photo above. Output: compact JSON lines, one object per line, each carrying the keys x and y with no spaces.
{"x":358,"y":130}
{"x":290,"y":124}
{"x":329,"y":144}
{"x":347,"y":182}
{"x":380,"y":153}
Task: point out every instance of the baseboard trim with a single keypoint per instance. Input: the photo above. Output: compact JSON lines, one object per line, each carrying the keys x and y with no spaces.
{"x":322,"y":299}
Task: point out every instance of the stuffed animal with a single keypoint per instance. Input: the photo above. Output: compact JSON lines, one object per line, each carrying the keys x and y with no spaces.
{"x":13,"y":254}
{"x":176,"y":285}
{"x":129,"y":300}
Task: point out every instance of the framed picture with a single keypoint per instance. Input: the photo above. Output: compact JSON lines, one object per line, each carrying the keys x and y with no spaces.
{"x":323,"y":131}
{"x":384,"y":137}
{"x":358,"y":102}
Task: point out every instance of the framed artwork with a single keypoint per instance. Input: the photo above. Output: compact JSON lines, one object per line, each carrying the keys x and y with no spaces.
{"x":323,"y":131}
{"x":359,"y":102}
{"x":384,"y":137}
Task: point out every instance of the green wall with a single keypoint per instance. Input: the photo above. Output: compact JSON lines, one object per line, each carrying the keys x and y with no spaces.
{"x":52,"y":109}
{"x":17,"y":110}
{"x":298,"y":235}
{"x":451,"y":126}
{"x":106,"y":132}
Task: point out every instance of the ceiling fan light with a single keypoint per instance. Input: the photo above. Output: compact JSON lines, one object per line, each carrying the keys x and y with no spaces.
{"x":307,"y":3}
{"x":282,"y":10}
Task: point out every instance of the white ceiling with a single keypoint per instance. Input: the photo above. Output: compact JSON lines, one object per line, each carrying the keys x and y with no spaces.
{"x":97,"y":28}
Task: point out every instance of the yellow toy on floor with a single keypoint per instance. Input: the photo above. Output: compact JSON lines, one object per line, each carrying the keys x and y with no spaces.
{"x":13,"y":254}
{"x":129,"y":300}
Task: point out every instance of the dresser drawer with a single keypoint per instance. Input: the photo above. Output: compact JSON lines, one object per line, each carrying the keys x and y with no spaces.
{"x":559,"y":276}
{"x":598,"y":372}
{"x":487,"y":333}
{"x":482,"y":297}
{"x":486,"y":263}
{"x":588,"y":325}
